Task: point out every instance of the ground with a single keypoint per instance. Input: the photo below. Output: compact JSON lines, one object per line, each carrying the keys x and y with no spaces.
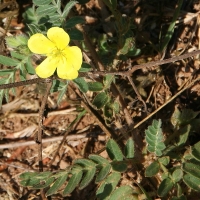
{"x":154,"y":86}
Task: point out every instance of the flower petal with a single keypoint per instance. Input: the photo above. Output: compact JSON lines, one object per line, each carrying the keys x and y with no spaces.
{"x":74,"y":57}
{"x":66,"y":71}
{"x":59,"y":37}
{"x":46,"y":68}
{"x":40,"y":44}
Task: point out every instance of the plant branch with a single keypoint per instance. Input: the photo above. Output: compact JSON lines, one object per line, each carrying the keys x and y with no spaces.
{"x":40,"y":124}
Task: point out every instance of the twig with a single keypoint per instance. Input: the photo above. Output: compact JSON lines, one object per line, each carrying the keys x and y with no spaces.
{"x":40,"y":124}
{"x":147,"y":65}
{"x":46,"y":140}
{"x":65,"y":132}
{"x":23,"y":83}
{"x":137,"y":93}
{"x":103,"y":73}
{"x":172,"y":98}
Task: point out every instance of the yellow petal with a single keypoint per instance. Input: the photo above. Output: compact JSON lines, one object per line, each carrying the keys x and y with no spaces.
{"x":74,"y":57}
{"x":40,"y":44}
{"x":58,"y":36}
{"x":65,"y":71}
{"x":46,"y":68}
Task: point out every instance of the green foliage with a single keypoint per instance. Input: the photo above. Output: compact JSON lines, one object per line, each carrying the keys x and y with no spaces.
{"x":82,"y":173}
{"x":82,"y":84}
{"x":165,"y":186}
{"x":108,"y":185}
{"x":114,"y":151}
{"x":129,"y":149}
{"x":19,"y":61}
{"x":171,"y":28}
{"x":174,"y":163}
{"x":154,"y":138}
{"x":100,"y":100}
{"x":152,"y":169}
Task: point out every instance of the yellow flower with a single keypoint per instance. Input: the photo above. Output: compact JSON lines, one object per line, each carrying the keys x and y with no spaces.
{"x":66,"y":59}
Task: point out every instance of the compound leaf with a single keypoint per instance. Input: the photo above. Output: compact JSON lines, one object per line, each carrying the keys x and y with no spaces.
{"x":154,"y":138}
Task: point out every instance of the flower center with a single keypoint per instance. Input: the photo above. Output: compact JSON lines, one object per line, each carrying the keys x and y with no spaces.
{"x":57,"y":53}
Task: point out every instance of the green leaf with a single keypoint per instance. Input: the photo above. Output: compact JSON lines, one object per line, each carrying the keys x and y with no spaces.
{"x":57,"y":184}
{"x":85,"y":67}
{"x":89,"y":171}
{"x":127,"y":46}
{"x":114,"y":151}
{"x":100,"y":100}
{"x":8,"y":61}
{"x":46,"y":10}
{"x":62,"y":93}
{"x":177,"y":175}
{"x":4,"y":72}
{"x":171,"y":28}
{"x":33,"y":178}
{"x":17,"y":55}
{"x":121,"y":193}
{"x":192,"y":168}
{"x":165,"y":186}
{"x":129,"y":148}
{"x":12,"y":42}
{"x":44,"y":183}
{"x":68,"y":7}
{"x":29,"y":182}
{"x":74,"y":180}
{"x":183,"y":134}
{"x":70,"y":23}
{"x":82,"y":84}
{"x":54,"y":18}
{"x":116,"y":107}
{"x":152,"y":169}
{"x":108,"y":111}
{"x":107,"y":80}
{"x":154,"y":138}
{"x":183,"y":118}
{"x":99,"y":159}
{"x":103,"y":172}
{"x":95,"y":86}
{"x":28,"y":175}
{"x":108,"y":185}
{"x":75,"y":34}
{"x":41,"y":3}
{"x":29,"y":15}
{"x":164,"y":160}
{"x":119,"y":166}
{"x":22,"y":39}
{"x":104,"y":166}
{"x":192,"y":182}
{"x":29,"y":67}
{"x":34,"y":28}
{"x":196,"y":151}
